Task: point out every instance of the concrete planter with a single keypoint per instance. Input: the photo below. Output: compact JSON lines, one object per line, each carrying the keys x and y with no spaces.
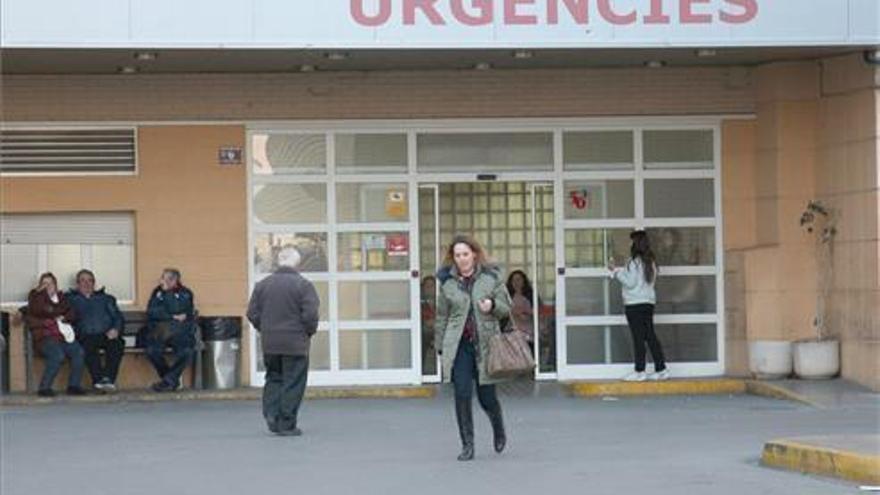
{"x":770,"y":359}
{"x":817,"y":360}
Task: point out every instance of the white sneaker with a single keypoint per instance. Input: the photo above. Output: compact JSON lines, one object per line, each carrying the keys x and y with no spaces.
{"x":636,"y":376}
{"x":660,"y":375}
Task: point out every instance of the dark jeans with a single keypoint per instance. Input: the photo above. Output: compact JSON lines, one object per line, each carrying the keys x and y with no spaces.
{"x":641,"y":324}
{"x":465,"y":374}
{"x":113,"y":350}
{"x":286,"y":378}
{"x":54,"y":352}
{"x":183,"y":343}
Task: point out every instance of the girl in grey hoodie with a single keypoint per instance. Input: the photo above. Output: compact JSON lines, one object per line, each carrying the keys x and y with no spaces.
{"x":637,"y":277}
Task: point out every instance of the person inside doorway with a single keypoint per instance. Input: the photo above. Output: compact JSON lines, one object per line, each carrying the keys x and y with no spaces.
{"x":637,"y":278}
{"x":171,"y":322}
{"x":428,"y":304}
{"x":521,"y":311}
{"x":472,"y":301}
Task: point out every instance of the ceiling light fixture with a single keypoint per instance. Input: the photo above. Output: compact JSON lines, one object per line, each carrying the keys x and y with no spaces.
{"x":523,"y":54}
{"x":127,"y":69}
{"x":483,"y":66}
{"x":336,"y":56}
{"x":655,"y":64}
{"x":145,"y":56}
{"x":706,"y":52}
{"x":307,"y":68}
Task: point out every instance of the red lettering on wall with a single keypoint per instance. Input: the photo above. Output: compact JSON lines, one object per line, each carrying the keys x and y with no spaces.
{"x":485,"y":7}
{"x":577,"y":9}
{"x":750,"y":11}
{"x":656,"y":16}
{"x":513,"y":18}
{"x":609,"y":15}
{"x":360,"y":17}
{"x":427,"y":8}
{"x":687,"y":15}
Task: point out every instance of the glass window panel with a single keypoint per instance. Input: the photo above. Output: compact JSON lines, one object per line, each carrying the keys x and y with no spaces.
{"x":598,"y":150}
{"x":593,"y":296}
{"x":312,"y":248}
{"x":113,"y":267}
{"x":277,"y":154}
{"x":290,"y":203}
{"x":586,"y":344}
{"x":64,"y":261}
{"x":18,"y":271}
{"x":681,"y":343}
{"x":374,"y":300}
{"x":371,"y":153}
{"x":374,"y":349}
{"x":668,"y":198}
{"x":678,"y":149}
{"x":372,"y":203}
{"x":591,"y":248}
{"x":373,"y":251}
{"x":683,"y":246}
{"x":685,"y":294}
{"x":319,"y":351}
{"x":485,"y":152}
{"x":599,"y":199}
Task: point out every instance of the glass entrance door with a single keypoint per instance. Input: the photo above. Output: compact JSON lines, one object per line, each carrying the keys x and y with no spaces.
{"x":514,"y":222}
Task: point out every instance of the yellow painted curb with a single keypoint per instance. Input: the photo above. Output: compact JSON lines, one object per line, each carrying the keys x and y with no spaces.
{"x":764,"y":389}
{"x":851,"y":466}
{"x":669,"y":387}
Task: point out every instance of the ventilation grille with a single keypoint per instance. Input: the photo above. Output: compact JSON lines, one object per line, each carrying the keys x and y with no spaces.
{"x":74,"y":151}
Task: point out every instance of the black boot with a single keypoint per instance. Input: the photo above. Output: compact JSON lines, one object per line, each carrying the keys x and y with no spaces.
{"x":464,"y":415}
{"x":500,"y":438}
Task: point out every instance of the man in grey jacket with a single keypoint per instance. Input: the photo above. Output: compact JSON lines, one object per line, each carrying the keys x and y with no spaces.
{"x":284,"y":309}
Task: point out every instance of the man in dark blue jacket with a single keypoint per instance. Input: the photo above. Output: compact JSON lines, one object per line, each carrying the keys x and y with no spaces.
{"x":171,"y":322}
{"x":99,"y":325}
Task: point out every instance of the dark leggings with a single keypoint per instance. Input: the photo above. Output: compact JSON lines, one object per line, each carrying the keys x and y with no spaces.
{"x":641,"y":324}
{"x":464,"y":374}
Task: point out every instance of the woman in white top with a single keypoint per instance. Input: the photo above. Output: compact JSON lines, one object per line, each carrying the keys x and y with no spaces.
{"x":637,"y":277}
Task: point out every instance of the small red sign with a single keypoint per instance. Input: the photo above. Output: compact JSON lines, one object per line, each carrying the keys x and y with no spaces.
{"x":397,"y":244}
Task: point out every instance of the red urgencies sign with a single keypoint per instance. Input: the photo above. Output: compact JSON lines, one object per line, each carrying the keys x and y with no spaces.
{"x":372,"y":13}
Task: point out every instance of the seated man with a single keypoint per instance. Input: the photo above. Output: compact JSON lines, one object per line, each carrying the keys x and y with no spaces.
{"x":99,"y":325}
{"x":171,"y":322}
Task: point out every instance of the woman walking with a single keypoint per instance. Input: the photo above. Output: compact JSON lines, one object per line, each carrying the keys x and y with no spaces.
{"x":472,"y":298}
{"x":520,"y":289}
{"x":637,"y":278}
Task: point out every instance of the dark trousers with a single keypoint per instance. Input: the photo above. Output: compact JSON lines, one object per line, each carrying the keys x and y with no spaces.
{"x":286,"y":378}
{"x":182,"y":343}
{"x":465,"y":374}
{"x":641,"y":325}
{"x":113,"y":351}
{"x":54,"y":352}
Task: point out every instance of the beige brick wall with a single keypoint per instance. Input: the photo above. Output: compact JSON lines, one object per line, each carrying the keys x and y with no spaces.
{"x":377,"y":95}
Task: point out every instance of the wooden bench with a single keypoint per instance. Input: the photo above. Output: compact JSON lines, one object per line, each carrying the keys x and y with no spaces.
{"x":134,"y":322}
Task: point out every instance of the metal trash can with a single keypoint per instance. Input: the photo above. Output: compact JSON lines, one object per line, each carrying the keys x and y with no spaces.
{"x":222,"y":356}
{"x":4,"y":352}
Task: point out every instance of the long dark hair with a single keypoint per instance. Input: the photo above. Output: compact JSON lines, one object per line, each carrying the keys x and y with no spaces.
{"x":527,"y":285}
{"x":641,"y":249}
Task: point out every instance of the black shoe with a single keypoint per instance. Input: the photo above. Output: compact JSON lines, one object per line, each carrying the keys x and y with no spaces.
{"x":499,"y":437}
{"x":464,"y":416}
{"x":293,"y":432}
{"x":74,"y":390}
{"x":162,"y":386}
{"x":46,"y":392}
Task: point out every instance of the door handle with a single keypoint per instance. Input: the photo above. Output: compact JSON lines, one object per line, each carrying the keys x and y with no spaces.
{"x":414,"y":274}
{"x":560,"y":271}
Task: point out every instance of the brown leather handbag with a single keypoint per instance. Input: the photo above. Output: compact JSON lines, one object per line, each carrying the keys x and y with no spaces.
{"x":509,"y":355}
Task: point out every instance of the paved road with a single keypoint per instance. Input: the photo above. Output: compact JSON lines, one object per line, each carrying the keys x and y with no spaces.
{"x":557,"y":445}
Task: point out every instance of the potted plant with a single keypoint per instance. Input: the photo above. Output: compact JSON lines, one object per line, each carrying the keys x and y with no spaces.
{"x":819,"y":357}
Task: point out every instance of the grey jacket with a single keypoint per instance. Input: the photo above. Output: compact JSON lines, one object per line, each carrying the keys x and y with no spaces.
{"x":284,"y":309}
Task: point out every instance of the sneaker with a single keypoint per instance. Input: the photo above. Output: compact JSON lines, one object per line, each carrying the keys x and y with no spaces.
{"x":636,"y":376}
{"x":46,"y":392}
{"x":293,"y":432}
{"x":74,"y":390}
{"x":659,"y":376}
{"x":109,"y":387}
{"x":101,"y":385}
{"x":162,"y":386}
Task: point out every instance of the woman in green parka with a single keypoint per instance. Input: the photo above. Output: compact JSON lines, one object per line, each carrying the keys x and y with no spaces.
{"x":471,"y":300}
